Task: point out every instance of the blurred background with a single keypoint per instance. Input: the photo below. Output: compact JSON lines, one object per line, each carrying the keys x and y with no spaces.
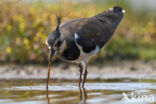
{"x":127,"y":63}
{"x":25,"y":24}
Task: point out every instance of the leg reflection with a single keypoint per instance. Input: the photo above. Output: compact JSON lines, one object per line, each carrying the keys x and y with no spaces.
{"x":83,"y":95}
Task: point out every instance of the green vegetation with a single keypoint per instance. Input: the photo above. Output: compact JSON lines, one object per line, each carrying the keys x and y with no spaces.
{"x":24,"y":27}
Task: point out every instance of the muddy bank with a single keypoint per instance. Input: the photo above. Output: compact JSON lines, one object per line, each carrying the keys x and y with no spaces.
{"x":115,"y":69}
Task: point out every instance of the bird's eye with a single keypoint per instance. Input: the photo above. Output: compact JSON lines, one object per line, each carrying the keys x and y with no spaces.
{"x":58,"y":43}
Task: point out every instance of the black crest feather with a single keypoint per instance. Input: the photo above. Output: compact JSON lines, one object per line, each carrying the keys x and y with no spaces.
{"x":58,"y":18}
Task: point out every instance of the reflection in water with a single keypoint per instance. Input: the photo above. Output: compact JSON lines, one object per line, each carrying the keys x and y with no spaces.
{"x":65,"y":92}
{"x":83,"y":95}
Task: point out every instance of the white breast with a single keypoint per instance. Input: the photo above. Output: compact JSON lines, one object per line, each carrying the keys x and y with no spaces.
{"x":84,"y":56}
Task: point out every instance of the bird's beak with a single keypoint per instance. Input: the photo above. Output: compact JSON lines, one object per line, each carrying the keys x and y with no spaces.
{"x":52,"y":52}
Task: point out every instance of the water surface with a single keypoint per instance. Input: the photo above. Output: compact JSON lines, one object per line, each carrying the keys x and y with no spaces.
{"x":112,"y":91}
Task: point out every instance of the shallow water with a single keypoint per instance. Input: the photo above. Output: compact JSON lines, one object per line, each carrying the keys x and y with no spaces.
{"x":110,"y":91}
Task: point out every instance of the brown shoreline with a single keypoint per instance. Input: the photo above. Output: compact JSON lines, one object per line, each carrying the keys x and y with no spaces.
{"x":115,"y":69}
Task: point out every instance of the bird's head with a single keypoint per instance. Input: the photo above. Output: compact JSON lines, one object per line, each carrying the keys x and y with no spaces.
{"x":115,"y":14}
{"x":53,"y":40}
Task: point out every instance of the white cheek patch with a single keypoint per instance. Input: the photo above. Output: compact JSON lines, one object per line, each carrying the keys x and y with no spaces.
{"x":47,"y":44}
{"x":49,"y":48}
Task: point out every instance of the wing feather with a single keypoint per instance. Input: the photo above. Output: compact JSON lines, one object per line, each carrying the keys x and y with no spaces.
{"x":91,"y":32}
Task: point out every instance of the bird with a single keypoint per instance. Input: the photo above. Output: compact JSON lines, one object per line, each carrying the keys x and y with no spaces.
{"x":77,"y":40}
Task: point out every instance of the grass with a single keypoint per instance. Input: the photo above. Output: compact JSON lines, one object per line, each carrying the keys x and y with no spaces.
{"x":24,"y":27}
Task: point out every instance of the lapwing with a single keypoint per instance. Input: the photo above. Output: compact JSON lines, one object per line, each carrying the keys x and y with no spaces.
{"x":77,"y":40}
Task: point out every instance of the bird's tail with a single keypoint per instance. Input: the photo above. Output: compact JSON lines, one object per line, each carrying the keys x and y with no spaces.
{"x":113,"y":15}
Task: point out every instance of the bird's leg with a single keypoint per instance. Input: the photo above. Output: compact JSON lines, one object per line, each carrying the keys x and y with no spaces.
{"x":48,"y":75}
{"x":84,"y":74}
{"x":84,"y":78}
{"x":80,"y":78}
